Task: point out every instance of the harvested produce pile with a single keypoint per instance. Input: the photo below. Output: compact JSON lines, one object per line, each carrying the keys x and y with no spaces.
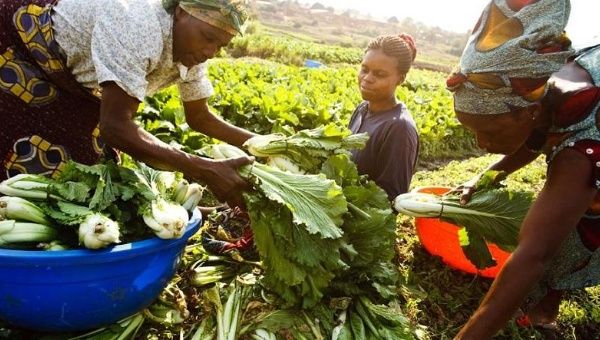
{"x":324,"y":237}
{"x":94,"y":206}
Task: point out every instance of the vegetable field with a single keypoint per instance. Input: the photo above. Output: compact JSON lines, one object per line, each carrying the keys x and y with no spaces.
{"x":266,"y":97}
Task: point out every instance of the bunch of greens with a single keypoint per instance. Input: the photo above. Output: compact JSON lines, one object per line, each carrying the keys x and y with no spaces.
{"x":296,"y":221}
{"x":312,"y":228}
{"x":369,"y":226}
{"x":108,"y":203}
{"x":307,"y":255}
{"x":305,"y":150}
{"x":492,"y":215}
{"x":369,"y":230}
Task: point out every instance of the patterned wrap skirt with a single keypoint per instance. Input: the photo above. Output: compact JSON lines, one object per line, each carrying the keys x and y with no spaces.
{"x":46,"y":117}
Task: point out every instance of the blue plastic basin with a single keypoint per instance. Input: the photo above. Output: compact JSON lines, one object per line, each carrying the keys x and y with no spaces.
{"x":75,"y":290}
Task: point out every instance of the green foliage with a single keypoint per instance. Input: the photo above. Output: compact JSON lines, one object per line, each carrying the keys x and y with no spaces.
{"x":276,"y":98}
{"x":164,"y":117}
{"x":291,"y":51}
{"x":492,"y":215}
{"x":369,"y":229}
{"x":267,"y":98}
{"x":273,"y":98}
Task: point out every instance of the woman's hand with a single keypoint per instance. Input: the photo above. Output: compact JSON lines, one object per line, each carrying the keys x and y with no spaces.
{"x":466,"y":190}
{"x":486,"y":180}
{"x":223,"y":179}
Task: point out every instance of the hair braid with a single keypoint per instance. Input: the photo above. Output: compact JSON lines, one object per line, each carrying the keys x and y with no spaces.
{"x":401,"y":46}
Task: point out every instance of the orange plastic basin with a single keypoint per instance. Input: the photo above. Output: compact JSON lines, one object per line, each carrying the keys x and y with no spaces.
{"x":441,"y":239}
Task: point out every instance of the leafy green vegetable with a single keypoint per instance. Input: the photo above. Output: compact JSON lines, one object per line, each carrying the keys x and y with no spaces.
{"x":308,"y":149}
{"x":492,"y":215}
{"x":315,"y":201}
{"x":369,"y":229}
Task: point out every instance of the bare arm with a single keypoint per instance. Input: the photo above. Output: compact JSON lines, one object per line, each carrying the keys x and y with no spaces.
{"x":202,"y":120}
{"x":516,"y":161}
{"x":555,"y":213}
{"x":120,"y":131}
{"x":508,"y":164}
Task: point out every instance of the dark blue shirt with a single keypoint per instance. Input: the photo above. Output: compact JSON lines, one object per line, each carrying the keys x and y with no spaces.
{"x":390,"y":155}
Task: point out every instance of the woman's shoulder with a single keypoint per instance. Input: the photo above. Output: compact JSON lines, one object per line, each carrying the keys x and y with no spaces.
{"x":401,"y":123}
{"x":362,"y":107}
{"x":589,"y":59}
{"x":403,"y":117}
{"x":360,"y":111}
{"x":139,"y":25}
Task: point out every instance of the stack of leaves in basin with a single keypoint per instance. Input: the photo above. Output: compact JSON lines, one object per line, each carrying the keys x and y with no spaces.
{"x":96,"y":206}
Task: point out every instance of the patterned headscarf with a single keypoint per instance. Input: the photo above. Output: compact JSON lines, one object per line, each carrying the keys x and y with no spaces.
{"x":228,"y":15}
{"x":514,"y":48}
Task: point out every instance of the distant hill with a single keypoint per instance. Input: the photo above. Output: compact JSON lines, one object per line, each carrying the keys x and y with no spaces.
{"x":437,"y":49}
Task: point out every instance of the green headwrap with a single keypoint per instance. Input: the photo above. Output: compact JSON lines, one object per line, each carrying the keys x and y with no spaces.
{"x":228,"y":15}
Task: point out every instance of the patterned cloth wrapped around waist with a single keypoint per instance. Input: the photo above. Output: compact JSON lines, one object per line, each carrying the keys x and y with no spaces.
{"x":48,"y":117}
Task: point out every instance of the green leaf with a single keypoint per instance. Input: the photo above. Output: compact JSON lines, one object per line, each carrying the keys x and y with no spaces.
{"x":496,"y":215}
{"x":295,"y":269}
{"x":490,"y":179}
{"x":313,"y":200}
{"x":357,"y":326}
{"x":475,"y":249}
{"x":73,"y":191}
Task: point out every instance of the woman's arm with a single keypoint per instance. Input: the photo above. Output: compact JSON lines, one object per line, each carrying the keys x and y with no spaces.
{"x":514,"y":162}
{"x":118,"y":129}
{"x":202,"y":120}
{"x":555,"y":213}
{"x":507,"y":164}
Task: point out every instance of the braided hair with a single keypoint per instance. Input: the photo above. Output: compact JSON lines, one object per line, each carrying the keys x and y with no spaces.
{"x":401,"y":46}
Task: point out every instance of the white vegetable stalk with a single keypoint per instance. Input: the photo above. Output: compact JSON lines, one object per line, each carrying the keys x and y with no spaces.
{"x":223,"y":151}
{"x":257,"y":143}
{"x":12,"y":231}
{"x":27,"y":186}
{"x":428,"y":205}
{"x":188,"y":195}
{"x":180,"y":191}
{"x":165,"y":180}
{"x":166,"y":219}
{"x":262,"y":334}
{"x":192,"y":197}
{"x":98,"y":231}
{"x":284,"y":164}
{"x":16,"y":208}
{"x":418,"y":205}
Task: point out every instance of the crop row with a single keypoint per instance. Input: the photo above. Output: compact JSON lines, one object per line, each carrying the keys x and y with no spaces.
{"x":266,"y":97}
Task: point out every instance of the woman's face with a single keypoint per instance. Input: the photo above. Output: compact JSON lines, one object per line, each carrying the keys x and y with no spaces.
{"x":503,"y":133}
{"x":195,"y":41}
{"x":378,"y":76}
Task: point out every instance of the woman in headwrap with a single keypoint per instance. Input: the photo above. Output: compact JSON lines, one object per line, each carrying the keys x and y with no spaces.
{"x":72,"y":74}
{"x":390,"y":155}
{"x":523,"y":92}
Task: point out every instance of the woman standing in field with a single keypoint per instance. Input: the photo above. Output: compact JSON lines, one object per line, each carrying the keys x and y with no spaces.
{"x":523,"y":92}
{"x":72,"y":74}
{"x":390,"y":155}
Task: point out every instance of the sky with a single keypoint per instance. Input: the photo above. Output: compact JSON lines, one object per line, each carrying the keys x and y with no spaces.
{"x":461,"y":15}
